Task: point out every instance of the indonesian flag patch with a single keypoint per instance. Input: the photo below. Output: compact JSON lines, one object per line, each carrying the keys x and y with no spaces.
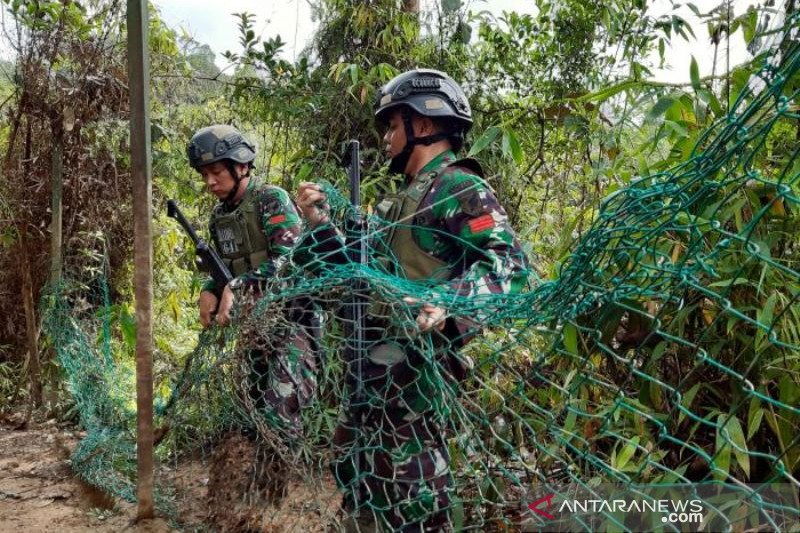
{"x":482,"y":223}
{"x":277,"y":219}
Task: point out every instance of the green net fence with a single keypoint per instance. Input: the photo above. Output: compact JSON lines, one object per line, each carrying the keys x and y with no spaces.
{"x":664,"y":359}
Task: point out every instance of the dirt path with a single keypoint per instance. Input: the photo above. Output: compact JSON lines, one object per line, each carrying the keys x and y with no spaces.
{"x":39,"y":492}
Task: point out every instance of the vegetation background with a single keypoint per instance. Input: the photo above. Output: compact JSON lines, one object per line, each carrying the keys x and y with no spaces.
{"x":565,"y":109}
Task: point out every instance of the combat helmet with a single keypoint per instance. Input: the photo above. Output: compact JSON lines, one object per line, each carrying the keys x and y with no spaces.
{"x":217,"y":143}
{"x":429,"y":93}
{"x":223,"y":143}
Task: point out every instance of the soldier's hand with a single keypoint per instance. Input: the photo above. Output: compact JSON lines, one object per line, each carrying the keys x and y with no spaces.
{"x":312,"y":203}
{"x":207,"y":304}
{"x":225,"y":304}
{"x":430,"y":316}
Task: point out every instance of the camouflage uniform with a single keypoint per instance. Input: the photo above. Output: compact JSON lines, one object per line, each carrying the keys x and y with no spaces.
{"x":282,"y":378}
{"x":392,"y":456}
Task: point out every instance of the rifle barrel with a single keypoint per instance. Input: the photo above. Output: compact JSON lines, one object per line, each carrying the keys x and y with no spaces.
{"x":174,"y":212}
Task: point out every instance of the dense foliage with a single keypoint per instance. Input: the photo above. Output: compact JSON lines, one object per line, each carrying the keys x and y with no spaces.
{"x":565,"y":116}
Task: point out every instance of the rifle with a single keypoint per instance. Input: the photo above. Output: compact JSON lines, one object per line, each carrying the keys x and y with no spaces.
{"x":207,"y":258}
{"x":356,"y":306}
{"x":356,"y":245}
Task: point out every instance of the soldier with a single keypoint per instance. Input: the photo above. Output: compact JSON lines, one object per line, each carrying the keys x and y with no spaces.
{"x":253,"y":226}
{"x":392,"y":454}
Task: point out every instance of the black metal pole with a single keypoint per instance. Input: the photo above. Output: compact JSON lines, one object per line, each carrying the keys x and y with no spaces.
{"x":357,"y":254}
{"x":357,"y":246}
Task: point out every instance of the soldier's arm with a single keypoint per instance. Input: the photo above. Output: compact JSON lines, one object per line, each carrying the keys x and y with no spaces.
{"x":322,"y":244}
{"x":472,"y":214}
{"x":280,"y":222}
{"x":207,"y":301}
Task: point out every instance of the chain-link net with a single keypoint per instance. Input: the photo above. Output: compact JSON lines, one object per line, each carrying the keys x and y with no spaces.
{"x":665,"y":352}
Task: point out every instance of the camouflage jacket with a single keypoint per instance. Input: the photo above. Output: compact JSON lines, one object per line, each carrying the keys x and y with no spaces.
{"x":461,"y":223}
{"x":280,"y":223}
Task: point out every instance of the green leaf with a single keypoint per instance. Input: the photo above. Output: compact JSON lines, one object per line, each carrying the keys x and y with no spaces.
{"x":457,"y":507}
{"x":174,"y":306}
{"x":694,"y":74}
{"x":710,"y":98}
{"x":464,"y":32}
{"x":571,"y":338}
{"x":608,"y":92}
{"x":626,"y":453}
{"x":749,"y":24}
{"x":694,"y":9}
{"x":722,"y":450}
{"x":511,"y":146}
{"x":766,"y":313}
{"x":729,"y":282}
{"x":754,"y":416}
{"x":765,"y":318}
{"x":664,"y":103}
{"x":658,"y":351}
{"x":303,"y":173}
{"x":736,"y":434}
{"x":484,"y":140}
{"x":788,"y":391}
{"x":569,"y":424}
{"x":336,"y":71}
{"x":687,"y":399}
{"x":677,"y":128}
{"x":127,"y":323}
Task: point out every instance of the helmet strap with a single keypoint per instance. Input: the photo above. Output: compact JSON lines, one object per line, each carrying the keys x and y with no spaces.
{"x":400,"y":161}
{"x":231,"y":166}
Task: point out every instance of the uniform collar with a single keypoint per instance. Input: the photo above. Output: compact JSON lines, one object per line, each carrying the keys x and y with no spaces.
{"x":445,"y":157}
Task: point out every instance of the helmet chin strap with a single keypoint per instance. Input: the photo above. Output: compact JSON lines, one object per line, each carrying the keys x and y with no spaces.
{"x":236,"y":178}
{"x":400,"y":161}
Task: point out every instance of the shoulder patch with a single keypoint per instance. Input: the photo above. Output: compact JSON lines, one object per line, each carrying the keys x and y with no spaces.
{"x":468,"y":194}
{"x":271,"y":200}
{"x":482,"y":223}
{"x":271,"y":204}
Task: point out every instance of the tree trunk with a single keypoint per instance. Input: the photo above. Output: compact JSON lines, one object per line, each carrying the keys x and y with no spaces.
{"x":31,"y":324}
{"x":28,"y":299}
{"x":57,"y":184}
{"x":139,"y":83}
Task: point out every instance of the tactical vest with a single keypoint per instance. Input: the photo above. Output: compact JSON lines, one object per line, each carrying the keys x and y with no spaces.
{"x":401,"y":212}
{"x":239,"y":235}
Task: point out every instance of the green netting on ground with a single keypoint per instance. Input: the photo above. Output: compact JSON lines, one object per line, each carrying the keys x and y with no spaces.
{"x":666,"y":351}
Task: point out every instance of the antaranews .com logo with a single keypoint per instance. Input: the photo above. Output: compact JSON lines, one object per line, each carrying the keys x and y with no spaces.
{"x":675,"y":507}
{"x":671,"y":511}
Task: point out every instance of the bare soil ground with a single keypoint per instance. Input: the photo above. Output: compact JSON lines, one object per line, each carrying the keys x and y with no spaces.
{"x":39,"y":491}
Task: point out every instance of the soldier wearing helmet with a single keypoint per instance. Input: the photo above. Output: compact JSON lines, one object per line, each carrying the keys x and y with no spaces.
{"x":253,"y":226}
{"x":458,"y":236}
{"x":414,"y":98}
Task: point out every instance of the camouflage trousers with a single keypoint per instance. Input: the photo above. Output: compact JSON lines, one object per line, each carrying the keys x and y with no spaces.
{"x":282,"y":378}
{"x":392,"y":461}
